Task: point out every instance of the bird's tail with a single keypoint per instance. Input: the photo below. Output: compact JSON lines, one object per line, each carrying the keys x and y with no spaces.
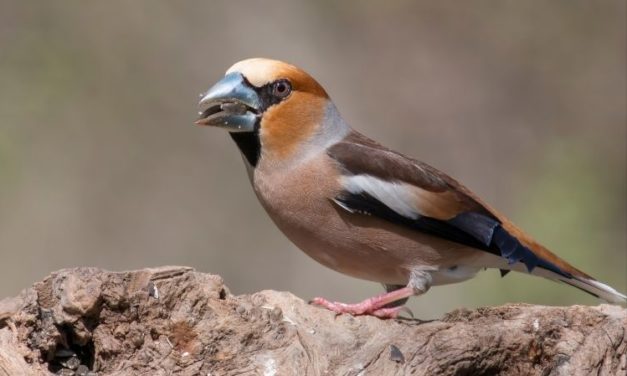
{"x":535,"y":259}
{"x":585,"y":283}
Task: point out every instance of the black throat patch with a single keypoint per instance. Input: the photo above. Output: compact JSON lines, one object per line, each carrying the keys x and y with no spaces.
{"x":249,"y":144}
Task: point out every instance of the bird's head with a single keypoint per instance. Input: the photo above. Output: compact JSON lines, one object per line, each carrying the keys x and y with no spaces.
{"x":274,"y":104}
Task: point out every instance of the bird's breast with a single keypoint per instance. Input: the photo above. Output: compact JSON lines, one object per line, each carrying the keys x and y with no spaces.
{"x":299,"y":201}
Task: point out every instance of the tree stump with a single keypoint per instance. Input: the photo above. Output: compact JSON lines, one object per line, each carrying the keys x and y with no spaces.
{"x":176,"y":321}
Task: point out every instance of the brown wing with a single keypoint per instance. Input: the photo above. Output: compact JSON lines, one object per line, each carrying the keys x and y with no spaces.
{"x":359,"y":155}
{"x":443,"y":206}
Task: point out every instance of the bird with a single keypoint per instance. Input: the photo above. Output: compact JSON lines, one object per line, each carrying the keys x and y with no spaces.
{"x":358,"y":207}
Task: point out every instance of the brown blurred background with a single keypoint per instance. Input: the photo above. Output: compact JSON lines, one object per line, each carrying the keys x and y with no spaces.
{"x":100,"y":164}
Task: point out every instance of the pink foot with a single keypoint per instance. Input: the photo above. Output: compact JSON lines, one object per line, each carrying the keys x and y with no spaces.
{"x":389,"y":313}
{"x":374,"y":306}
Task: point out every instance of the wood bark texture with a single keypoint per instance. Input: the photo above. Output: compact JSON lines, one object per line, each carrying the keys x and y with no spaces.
{"x":176,"y":321}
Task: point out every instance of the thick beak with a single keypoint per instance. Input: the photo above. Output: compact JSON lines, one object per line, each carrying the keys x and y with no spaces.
{"x":231,"y":104}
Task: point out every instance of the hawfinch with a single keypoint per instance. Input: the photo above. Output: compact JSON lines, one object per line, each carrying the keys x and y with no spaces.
{"x":358,"y":207}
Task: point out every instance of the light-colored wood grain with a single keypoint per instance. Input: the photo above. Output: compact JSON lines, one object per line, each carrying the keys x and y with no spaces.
{"x":176,"y":321}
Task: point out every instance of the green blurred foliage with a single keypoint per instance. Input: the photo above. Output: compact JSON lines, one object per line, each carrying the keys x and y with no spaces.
{"x":576,"y":209}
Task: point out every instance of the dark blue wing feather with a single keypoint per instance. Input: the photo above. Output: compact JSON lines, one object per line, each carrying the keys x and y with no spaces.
{"x":473,"y":229}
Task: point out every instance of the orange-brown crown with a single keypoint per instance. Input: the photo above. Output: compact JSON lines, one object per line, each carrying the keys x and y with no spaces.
{"x":260,"y":71}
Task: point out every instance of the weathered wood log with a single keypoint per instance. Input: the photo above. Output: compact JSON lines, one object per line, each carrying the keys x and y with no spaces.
{"x":173,"y":320}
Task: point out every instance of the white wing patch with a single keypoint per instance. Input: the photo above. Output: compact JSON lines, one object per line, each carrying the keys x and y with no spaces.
{"x":400,"y":197}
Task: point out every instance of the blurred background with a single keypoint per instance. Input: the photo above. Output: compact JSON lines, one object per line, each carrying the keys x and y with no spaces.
{"x":100,"y":164}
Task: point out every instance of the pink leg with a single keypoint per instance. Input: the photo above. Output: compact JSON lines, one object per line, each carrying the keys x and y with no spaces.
{"x":373,"y":306}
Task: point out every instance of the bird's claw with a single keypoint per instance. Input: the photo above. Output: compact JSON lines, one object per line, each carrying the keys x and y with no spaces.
{"x":367,"y":307}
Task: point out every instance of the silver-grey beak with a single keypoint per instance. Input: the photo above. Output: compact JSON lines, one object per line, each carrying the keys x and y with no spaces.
{"x":231,"y":104}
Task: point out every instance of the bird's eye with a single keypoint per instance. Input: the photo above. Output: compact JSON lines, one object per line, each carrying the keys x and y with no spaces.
{"x":281,"y":89}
